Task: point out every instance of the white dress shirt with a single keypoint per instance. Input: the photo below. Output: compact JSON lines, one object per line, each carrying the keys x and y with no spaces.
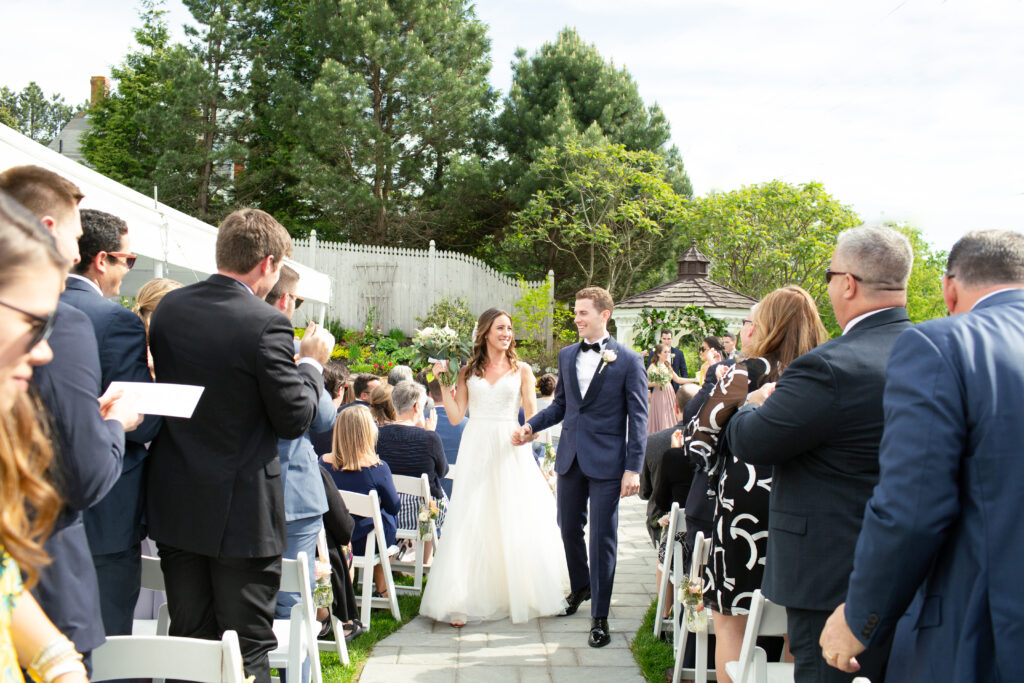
{"x":87,"y":280}
{"x":862,"y":316}
{"x":586,"y":365}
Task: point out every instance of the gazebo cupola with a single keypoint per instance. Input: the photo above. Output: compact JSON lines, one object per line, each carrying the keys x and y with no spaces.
{"x":692,"y":264}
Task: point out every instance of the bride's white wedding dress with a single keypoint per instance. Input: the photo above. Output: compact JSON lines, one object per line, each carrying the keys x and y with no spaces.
{"x":500,"y":553}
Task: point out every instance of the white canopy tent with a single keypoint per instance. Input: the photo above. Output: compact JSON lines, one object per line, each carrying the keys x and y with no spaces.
{"x":168,"y":242}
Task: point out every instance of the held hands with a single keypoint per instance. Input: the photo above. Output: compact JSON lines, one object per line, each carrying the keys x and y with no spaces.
{"x":317,"y":343}
{"x":839,"y":647}
{"x":523,"y":435}
{"x":761,"y":395}
{"x":118,"y":406}
{"x":721,"y":371}
{"x":439,"y":368}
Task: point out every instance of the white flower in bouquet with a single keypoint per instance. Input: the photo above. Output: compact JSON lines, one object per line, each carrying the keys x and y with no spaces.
{"x":433,"y":344}
{"x":659,"y":375}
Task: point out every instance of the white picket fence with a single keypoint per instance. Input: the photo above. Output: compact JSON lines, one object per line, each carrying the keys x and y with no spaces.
{"x":402,"y":284}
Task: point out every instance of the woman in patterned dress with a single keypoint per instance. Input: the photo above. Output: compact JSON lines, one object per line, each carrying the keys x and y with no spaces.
{"x":31,"y":275}
{"x":783,"y":326}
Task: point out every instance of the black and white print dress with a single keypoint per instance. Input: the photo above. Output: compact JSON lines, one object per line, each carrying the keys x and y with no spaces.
{"x":740,"y":542}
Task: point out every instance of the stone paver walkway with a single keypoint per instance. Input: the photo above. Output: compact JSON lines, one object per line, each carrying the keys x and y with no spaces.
{"x":550,"y":649}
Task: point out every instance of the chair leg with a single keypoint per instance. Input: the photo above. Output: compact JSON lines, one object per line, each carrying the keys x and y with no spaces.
{"x":680,"y":651}
{"x":417,"y":581}
{"x":701,"y":659}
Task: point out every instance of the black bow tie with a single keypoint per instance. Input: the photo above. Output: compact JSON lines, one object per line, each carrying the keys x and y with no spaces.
{"x":595,"y":347}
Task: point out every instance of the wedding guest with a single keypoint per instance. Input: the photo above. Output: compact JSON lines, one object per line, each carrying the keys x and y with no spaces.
{"x":451,"y":435}
{"x":942,"y":530}
{"x":215,"y":501}
{"x":381,"y":407}
{"x":785,"y":325}
{"x":338,"y":384}
{"x":651,"y":472}
{"x":711,"y":353}
{"x":399,"y":373}
{"x":362,"y":386}
{"x":820,"y":430}
{"x":304,"y":500}
{"x":31,"y":273}
{"x":676,"y":357}
{"x":114,"y":525}
{"x":549,"y":437}
{"x":410,"y":450}
{"x":338,"y":528}
{"x":90,"y":437}
{"x":355,"y":467}
{"x":146,"y":300}
{"x":729,"y":345}
{"x":429,"y":411}
{"x":662,"y":412}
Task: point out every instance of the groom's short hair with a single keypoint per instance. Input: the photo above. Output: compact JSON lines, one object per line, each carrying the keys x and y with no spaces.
{"x":600,"y":296}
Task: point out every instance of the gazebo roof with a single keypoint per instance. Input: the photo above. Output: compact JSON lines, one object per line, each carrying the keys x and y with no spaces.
{"x":686,"y":292}
{"x":693,"y":288}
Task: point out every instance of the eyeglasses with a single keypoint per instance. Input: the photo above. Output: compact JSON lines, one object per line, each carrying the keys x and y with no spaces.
{"x":829,"y":274}
{"x":42,"y":325}
{"x":298,"y":300}
{"x":748,"y":321}
{"x":129,"y":259}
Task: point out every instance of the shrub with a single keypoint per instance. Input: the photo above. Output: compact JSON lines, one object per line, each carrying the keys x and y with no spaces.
{"x":396,"y":334}
{"x":454,"y":313}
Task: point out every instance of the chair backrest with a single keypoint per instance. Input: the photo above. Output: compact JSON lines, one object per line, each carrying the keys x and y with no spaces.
{"x":413,"y":486}
{"x":295,"y":574}
{"x":359,"y":503}
{"x":152,"y":574}
{"x":190,"y":659}
{"x":765,"y":619}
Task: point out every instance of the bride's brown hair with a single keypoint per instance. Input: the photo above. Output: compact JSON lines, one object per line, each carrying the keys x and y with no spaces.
{"x":478,"y":361}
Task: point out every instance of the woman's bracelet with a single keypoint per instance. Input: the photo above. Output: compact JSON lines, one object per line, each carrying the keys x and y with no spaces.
{"x":54,"y":659}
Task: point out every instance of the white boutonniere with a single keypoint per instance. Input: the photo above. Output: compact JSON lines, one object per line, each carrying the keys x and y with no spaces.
{"x":607,"y":357}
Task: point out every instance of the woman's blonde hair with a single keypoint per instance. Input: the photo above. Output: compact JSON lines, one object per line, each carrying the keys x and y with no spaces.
{"x":381,"y":407}
{"x":28,"y":503}
{"x":787,"y":325}
{"x":478,"y":362}
{"x":149,"y":295}
{"x":355,"y":440}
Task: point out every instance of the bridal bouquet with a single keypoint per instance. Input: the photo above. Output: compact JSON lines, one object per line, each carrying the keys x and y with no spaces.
{"x":434,"y":344}
{"x":659,"y":375}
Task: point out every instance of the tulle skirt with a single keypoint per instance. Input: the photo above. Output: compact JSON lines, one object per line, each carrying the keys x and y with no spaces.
{"x":501,"y":554}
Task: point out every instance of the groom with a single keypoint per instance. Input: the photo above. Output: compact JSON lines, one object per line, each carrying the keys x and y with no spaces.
{"x":601,"y":399}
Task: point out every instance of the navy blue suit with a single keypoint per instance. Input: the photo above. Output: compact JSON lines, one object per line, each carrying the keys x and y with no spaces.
{"x":114,"y":525}
{"x":451,"y":437}
{"x":603,"y":434}
{"x":944,"y":522}
{"x":90,"y":452}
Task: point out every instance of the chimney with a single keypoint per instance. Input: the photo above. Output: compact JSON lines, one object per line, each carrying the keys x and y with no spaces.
{"x":693,"y":265}
{"x":99,"y":89}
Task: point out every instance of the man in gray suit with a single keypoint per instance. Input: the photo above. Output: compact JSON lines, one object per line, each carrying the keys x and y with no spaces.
{"x":821,"y":429}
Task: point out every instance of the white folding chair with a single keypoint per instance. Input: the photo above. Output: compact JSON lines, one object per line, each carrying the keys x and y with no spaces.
{"x":420,"y":488}
{"x":296,"y":636}
{"x":153,"y":579}
{"x":765,"y":619}
{"x":701,"y":553}
{"x":451,"y":472}
{"x":676,"y":522}
{"x":190,"y":659}
{"x":368,"y":505}
{"x":338,"y":645}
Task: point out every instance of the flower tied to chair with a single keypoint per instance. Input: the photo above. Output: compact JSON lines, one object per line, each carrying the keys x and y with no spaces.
{"x":427,"y":514}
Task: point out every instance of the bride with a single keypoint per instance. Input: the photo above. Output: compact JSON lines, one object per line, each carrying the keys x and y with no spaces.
{"x":501,"y":554}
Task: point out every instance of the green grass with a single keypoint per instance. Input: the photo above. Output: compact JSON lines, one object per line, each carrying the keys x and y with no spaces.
{"x":382,"y":625}
{"x":651,"y":654}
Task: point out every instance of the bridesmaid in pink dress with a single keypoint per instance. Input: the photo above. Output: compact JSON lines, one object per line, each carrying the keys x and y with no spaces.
{"x":662,"y":412}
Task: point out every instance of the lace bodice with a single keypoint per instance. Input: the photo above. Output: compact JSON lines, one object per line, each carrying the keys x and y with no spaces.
{"x":499,"y":401}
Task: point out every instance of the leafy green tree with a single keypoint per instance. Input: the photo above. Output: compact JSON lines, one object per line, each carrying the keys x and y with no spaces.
{"x":398,"y":96}
{"x":567,"y":87}
{"x":605,"y":216}
{"x":924,"y":290}
{"x":764,"y":236}
{"x":33,"y":114}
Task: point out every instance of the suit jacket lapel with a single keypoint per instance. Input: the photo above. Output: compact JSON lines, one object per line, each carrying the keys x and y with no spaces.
{"x":573,"y":380}
{"x":599,"y":374}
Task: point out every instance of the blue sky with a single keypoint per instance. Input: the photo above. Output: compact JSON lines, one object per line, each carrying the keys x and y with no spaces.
{"x":903,"y":109}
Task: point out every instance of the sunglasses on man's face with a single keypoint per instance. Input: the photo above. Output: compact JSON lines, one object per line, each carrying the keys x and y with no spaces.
{"x":298,"y":300}
{"x":129,"y":259}
{"x":41,"y":325}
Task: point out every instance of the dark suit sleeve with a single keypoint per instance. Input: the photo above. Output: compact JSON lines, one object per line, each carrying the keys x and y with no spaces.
{"x":554,"y":413}
{"x":337,"y":521}
{"x":796,"y":418}
{"x":289,"y":393}
{"x":917,"y":497}
{"x":92,"y":449}
{"x":636,"y":408}
{"x":680,"y":363}
{"x":123,"y":352}
{"x":674,"y":467}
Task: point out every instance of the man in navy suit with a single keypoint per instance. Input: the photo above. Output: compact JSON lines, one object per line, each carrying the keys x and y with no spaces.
{"x":820,"y":430}
{"x":601,"y":401}
{"x":943,"y":526}
{"x":451,"y":435}
{"x":114,"y":525}
{"x":90,"y":437}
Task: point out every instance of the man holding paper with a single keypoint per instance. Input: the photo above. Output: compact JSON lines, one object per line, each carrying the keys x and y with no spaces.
{"x":215,"y":501}
{"x":114,"y":525}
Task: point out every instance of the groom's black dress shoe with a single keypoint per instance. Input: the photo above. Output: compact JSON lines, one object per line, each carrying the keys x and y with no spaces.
{"x":575,"y":599}
{"x":599,"y":632}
